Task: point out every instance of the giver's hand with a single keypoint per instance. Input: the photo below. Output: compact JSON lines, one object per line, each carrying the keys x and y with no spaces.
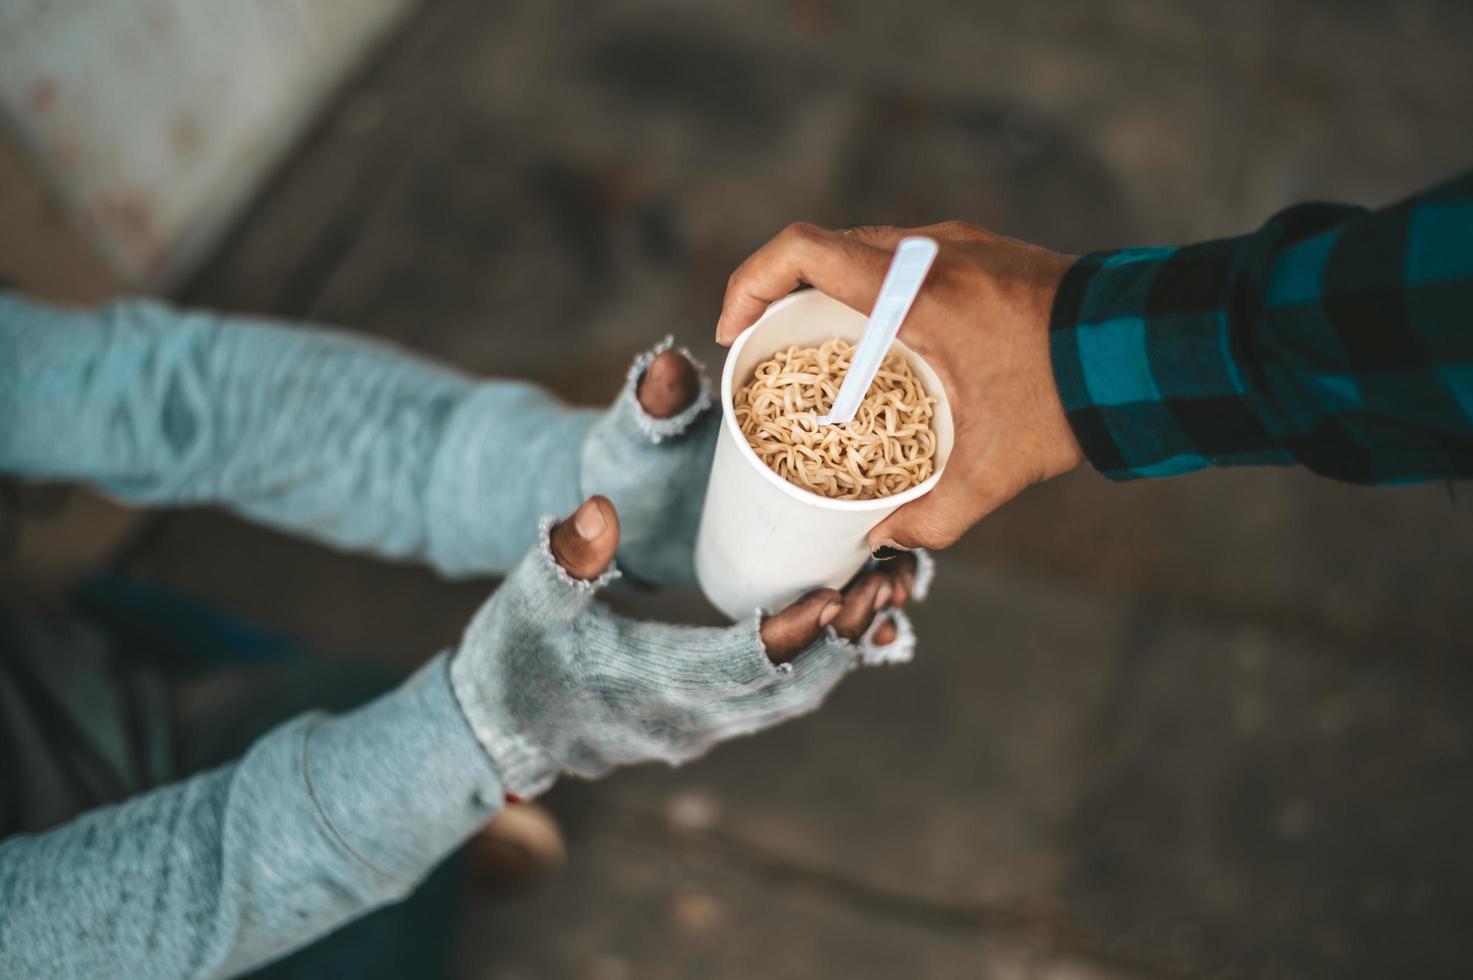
{"x":981,"y":321}
{"x":552,"y":682}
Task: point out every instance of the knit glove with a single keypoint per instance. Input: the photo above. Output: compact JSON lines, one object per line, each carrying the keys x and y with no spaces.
{"x":551,"y":681}
{"x":654,"y":471}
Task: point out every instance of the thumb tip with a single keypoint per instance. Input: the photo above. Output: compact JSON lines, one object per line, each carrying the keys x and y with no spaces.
{"x":669,"y":385}
{"x":938,"y":519}
{"x":585,"y":542}
{"x":600,"y":516}
{"x":886,"y":548}
{"x":890,"y":534}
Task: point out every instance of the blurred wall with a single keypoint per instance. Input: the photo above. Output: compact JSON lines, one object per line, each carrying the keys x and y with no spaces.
{"x":153,"y":122}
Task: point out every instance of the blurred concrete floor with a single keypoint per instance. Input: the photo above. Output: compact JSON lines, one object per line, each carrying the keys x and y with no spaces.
{"x":1217,"y":725}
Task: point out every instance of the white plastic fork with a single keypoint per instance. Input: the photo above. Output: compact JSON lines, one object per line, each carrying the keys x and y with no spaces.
{"x":913,"y":258}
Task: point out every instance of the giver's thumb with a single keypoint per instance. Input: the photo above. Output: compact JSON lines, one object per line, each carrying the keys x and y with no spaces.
{"x":935,"y":521}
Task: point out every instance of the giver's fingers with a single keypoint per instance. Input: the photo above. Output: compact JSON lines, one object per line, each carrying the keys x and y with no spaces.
{"x":669,"y":385}
{"x":794,"y":629}
{"x":889,"y":236}
{"x":584,"y":543}
{"x":886,"y":237}
{"x":848,"y":265}
{"x":841,"y":266}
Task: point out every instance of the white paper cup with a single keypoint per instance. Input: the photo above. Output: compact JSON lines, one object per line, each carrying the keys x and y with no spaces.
{"x":764,"y":541}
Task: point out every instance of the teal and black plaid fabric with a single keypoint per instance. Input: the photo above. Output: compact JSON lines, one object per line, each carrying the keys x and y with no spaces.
{"x":1333,"y":337}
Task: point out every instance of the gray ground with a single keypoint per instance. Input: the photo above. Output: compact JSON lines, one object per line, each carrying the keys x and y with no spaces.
{"x":1217,"y":725}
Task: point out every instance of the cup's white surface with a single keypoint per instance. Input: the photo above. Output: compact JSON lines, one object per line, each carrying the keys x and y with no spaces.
{"x":764,"y":541}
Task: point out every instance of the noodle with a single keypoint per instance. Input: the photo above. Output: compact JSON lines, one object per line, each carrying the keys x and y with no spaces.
{"x":888,"y":446}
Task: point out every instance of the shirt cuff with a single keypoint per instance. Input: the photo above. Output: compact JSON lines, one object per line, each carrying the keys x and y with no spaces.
{"x":1145,"y":364}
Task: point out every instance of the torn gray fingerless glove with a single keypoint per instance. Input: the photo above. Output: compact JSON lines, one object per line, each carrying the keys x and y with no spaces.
{"x":654,"y":471}
{"x":551,"y":681}
{"x":900,"y":650}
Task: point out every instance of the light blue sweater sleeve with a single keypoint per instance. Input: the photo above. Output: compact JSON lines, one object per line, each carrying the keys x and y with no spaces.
{"x":349,"y":441}
{"x":322,"y":820}
{"x":358,"y":445}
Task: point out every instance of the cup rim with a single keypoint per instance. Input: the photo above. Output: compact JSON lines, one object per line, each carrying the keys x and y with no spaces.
{"x":803,"y":495}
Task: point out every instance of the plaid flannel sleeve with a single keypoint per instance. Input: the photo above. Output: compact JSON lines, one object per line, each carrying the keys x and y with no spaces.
{"x":1333,"y":338}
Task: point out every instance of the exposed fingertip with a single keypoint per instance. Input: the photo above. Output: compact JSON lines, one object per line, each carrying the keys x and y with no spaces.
{"x":882,"y":595}
{"x":607,"y":510}
{"x":669,"y":385}
{"x":584,"y":543}
{"x":885,"y":634}
{"x":859,"y":606}
{"x":830,"y":611}
{"x":724,"y":333}
{"x":589,"y":521}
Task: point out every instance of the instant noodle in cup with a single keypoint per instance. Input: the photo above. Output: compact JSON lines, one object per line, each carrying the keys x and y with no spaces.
{"x":763,"y":541}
